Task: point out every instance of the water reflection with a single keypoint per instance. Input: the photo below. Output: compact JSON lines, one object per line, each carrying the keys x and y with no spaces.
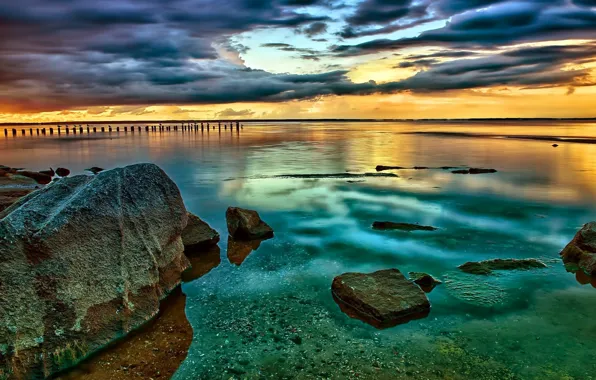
{"x":352,"y":312}
{"x":239,"y":250}
{"x":247,"y":318}
{"x":202,"y":262}
{"x":584,"y":279}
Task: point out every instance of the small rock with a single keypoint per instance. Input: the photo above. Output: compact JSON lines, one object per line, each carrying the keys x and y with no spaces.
{"x":63,"y":172}
{"x":381,"y":168}
{"x":486,"y":267}
{"x":424,"y":280}
{"x":581,"y":251}
{"x":198,"y":235}
{"x":401,"y":226}
{"x":383,"y":299}
{"x":555,"y":145}
{"x":94,"y":169}
{"x":247,"y":224}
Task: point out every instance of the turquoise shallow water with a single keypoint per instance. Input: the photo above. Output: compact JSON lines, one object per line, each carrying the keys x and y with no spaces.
{"x":270,"y":314}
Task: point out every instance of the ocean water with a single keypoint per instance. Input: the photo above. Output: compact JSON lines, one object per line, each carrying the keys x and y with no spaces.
{"x":269,"y":313}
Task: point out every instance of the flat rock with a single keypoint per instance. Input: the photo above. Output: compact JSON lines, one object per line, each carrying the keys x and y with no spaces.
{"x":474,"y":171}
{"x":198,"y":234}
{"x":85,"y":260}
{"x":581,"y":251}
{"x":383,"y":299}
{"x":247,"y":224}
{"x":488,"y":266}
{"x":402,"y":226}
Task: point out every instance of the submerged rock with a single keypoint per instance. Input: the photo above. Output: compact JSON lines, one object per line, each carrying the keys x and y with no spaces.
{"x":486,"y":267}
{"x":466,"y":288}
{"x":424,"y":280}
{"x":86,"y":260}
{"x":198,"y":235}
{"x":581,"y":251}
{"x":383,"y":299}
{"x":402,"y":226}
{"x":247,"y":224}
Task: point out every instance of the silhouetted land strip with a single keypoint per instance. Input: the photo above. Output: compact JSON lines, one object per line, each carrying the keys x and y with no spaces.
{"x":576,"y":139}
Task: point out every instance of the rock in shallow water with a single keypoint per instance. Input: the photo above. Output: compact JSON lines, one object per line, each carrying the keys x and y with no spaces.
{"x":582,"y":250}
{"x":85,"y":260}
{"x":424,"y":280}
{"x":247,"y":224}
{"x":383,"y":299}
{"x":198,"y":234}
{"x":408,"y":227}
{"x":488,"y":266}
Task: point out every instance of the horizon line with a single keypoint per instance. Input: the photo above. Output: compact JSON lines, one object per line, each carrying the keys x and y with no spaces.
{"x":349,"y":120}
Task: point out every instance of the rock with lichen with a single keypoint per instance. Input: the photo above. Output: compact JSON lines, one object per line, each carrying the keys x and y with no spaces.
{"x":85,"y":260}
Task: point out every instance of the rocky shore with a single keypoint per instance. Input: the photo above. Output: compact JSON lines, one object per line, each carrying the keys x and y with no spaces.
{"x":87,"y":260}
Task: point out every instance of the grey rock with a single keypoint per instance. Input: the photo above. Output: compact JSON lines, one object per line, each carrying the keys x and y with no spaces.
{"x":198,"y":234}
{"x":86,"y":260}
{"x":247,"y":224}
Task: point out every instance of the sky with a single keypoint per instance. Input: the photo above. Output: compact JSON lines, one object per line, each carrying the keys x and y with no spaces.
{"x":69,"y":60}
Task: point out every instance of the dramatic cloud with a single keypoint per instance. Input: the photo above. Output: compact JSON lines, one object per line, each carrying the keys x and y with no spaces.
{"x":504,"y":23}
{"x":67,"y":54}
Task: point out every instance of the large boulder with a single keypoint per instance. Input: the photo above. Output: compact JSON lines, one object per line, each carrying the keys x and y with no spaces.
{"x":581,"y":251}
{"x":84,"y":261}
{"x":198,"y":235}
{"x":383,"y":299}
{"x":247,"y":224}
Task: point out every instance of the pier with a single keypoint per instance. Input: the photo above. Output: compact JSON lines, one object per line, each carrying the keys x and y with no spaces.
{"x":98,"y":129}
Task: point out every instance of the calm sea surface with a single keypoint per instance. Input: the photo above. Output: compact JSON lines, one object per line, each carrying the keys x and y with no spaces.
{"x":270,"y":313}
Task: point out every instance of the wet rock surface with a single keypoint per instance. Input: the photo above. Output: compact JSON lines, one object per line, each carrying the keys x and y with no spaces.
{"x":408,"y":227}
{"x":424,"y":280}
{"x":581,"y":251}
{"x":383,"y":299}
{"x":86,"y":260}
{"x":247,"y":225}
{"x":488,"y":266}
{"x":198,"y":234}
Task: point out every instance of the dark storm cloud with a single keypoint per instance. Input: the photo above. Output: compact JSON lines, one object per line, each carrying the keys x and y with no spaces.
{"x":502,"y":24}
{"x":78,"y":53}
{"x":533,"y":67}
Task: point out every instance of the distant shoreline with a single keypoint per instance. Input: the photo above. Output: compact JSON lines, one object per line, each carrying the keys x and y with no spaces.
{"x":472,"y":120}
